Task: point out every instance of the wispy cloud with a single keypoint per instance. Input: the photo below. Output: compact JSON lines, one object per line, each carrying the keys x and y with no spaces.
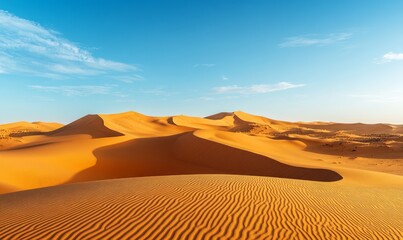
{"x":29,"y":48}
{"x":204,"y":65}
{"x":129,"y":78}
{"x":75,"y":90}
{"x":314,"y":40}
{"x":256,"y":89}
{"x":224,"y":78}
{"x":392,"y":56}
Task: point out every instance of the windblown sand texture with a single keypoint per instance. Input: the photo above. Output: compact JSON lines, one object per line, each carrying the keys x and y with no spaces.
{"x":226,"y":176}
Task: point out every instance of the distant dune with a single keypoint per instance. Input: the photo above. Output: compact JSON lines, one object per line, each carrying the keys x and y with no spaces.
{"x":11,"y":134}
{"x":242,"y":177}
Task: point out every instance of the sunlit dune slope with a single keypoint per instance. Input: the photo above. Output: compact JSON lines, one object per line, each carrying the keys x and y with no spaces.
{"x":203,"y":207}
{"x":138,"y":125}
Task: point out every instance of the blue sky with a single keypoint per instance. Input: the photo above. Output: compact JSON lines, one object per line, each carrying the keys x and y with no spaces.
{"x":291,"y":60}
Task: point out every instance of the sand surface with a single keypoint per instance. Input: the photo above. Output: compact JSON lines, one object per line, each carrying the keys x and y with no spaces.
{"x":238,"y":176}
{"x":204,"y":207}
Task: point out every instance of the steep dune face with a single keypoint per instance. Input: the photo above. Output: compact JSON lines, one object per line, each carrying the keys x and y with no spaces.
{"x":203,"y":207}
{"x":240,"y":117}
{"x":92,"y":125}
{"x":258,"y":125}
{"x":201,"y":123}
{"x":220,"y":115}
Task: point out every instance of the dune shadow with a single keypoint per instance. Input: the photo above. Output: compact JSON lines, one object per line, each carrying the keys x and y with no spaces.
{"x":188,"y":154}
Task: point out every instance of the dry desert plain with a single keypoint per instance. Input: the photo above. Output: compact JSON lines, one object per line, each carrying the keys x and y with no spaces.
{"x":227,"y":176}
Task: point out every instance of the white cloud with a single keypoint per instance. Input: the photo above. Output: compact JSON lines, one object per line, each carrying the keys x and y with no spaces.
{"x":256,"y":89}
{"x":75,"y":70}
{"x":29,"y":48}
{"x":314,"y":40}
{"x":129,"y":78}
{"x":391,"y":56}
{"x":74,"y":90}
{"x":224,"y":78}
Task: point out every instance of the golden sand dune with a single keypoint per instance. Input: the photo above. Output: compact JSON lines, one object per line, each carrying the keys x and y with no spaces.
{"x":201,"y":123}
{"x":27,"y":127}
{"x":203,"y":207}
{"x":11,"y":134}
{"x":288,"y":180}
{"x":92,"y":125}
{"x":359,"y":128}
{"x":139,"y":125}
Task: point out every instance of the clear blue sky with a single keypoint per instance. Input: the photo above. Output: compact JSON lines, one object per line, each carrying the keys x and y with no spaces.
{"x":292,"y":60}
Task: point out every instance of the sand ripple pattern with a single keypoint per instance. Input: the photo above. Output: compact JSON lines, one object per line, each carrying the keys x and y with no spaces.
{"x":203,"y":207}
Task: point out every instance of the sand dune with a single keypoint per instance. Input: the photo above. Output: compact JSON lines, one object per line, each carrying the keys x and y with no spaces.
{"x":288,"y":180}
{"x":92,"y":125}
{"x":12,"y":134}
{"x":201,"y":123}
{"x":359,"y":128}
{"x":203,"y":207}
{"x":21,"y":127}
{"x":139,"y":125}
